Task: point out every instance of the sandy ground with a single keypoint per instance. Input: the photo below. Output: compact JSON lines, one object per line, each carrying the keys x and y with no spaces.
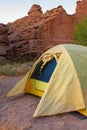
{"x":16,"y":112}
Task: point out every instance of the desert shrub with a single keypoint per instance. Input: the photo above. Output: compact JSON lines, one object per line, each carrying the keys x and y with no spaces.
{"x":15,"y":69}
{"x":80,"y":34}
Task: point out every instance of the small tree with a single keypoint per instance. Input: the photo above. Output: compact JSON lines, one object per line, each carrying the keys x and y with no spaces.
{"x":80,"y":34}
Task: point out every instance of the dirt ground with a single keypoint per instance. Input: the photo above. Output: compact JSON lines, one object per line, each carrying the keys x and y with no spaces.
{"x":16,"y":112}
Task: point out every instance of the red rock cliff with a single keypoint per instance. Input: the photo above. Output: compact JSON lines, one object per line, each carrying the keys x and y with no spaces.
{"x":38,"y":31}
{"x":81,"y":10}
{"x":4,"y":42}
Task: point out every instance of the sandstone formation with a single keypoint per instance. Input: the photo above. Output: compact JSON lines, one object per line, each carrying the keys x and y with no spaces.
{"x":81,"y":10}
{"x":30,"y":36}
{"x":4,"y":42}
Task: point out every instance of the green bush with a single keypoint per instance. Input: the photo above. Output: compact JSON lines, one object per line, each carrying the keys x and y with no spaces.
{"x":80,"y":34}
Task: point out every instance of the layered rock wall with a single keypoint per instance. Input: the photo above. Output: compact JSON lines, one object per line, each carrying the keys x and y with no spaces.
{"x":4,"y":42}
{"x":31,"y":35}
{"x":35,"y":33}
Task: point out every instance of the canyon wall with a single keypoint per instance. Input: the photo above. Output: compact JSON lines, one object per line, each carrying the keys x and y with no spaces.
{"x":28,"y":37}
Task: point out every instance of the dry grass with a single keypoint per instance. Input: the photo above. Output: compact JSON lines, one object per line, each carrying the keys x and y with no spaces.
{"x":15,"y":69}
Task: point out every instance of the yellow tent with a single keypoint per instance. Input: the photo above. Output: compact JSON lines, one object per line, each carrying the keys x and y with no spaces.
{"x":59,"y":77}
